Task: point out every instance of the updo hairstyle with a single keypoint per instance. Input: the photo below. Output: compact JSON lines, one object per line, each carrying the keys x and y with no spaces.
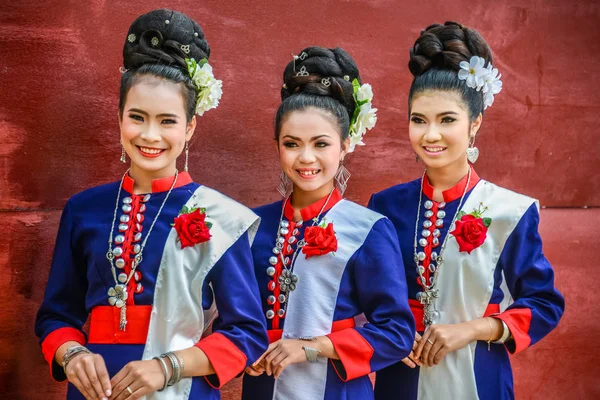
{"x":157,"y":45}
{"x":435,"y":58}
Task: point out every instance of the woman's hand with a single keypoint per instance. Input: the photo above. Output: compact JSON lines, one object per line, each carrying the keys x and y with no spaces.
{"x":138,"y":379}
{"x":439,"y":340}
{"x":282,"y":353}
{"x":256,"y":369}
{"x":87,"y":372}
{"x":412,"y":360}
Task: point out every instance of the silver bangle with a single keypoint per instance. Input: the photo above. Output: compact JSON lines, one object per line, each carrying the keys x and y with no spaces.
{"x":72,"y":352}
{"x":505,"y":333}
{"x":180,"y":359}
{"x":312,"y":355}
{"x":165,"y":372}
{"x":176,"y":377}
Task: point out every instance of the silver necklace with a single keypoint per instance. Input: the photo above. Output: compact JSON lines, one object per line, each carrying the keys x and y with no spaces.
{"x":288,"y":280}
{"x":117,"y":295}
{"x":430,"y":292}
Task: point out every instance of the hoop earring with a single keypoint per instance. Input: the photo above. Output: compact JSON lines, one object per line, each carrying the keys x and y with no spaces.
{"x":187,"y":155}
{"x":342,"y":176}
{"x":123,"y":155}
{"x":284,"y":187}
{"x":472,"y":151}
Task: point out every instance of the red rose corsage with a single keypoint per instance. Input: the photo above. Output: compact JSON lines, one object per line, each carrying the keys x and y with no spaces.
{"x":319,"y":240}
{"x":471,"y":229}
{"x":192,"y":227}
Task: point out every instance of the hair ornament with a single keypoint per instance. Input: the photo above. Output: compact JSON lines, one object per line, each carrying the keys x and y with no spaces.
{"x":302,"y":72}
{"x":346,"y":78}
{"x":303,"y":56}
{"x":326,"y":82}
{"x":154,"y":41}
{"x":131,"y":38}
{"x":209,"y":90}
{"x":364,"y":117}
{"x":122,"y":70}
{"x":481,"y":78}
{"x":185,"y":48}
{"x":167,"y":21}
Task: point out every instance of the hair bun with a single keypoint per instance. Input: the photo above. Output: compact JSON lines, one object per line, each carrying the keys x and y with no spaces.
{"x":164,"y":37}
{"x":445,"y":46}
{"x":322,"y":72}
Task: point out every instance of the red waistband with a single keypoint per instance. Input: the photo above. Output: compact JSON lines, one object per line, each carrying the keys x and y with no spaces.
{"x":417,"y":309}
{"x":275,"y":334}
{"x":104,"y":325}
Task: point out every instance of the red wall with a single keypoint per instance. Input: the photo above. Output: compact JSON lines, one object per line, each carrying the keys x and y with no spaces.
{"x":58,"y":127}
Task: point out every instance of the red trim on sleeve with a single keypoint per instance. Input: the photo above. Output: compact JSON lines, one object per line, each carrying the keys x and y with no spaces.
{"x":518,"y":321}
{"x":56,"y":339}
{"x":355,"y":354}
{"x":226,"y":358}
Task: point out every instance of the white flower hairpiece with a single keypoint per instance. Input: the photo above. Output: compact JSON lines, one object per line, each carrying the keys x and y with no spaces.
{"x":481,"y":78}
{"x":364,"y":117}
{"x":209,"y":90}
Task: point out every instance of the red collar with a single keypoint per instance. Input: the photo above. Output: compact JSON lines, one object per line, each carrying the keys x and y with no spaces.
{"x":161,"y":184}
{"x":454,"y":192}
{"x":312,"y":211}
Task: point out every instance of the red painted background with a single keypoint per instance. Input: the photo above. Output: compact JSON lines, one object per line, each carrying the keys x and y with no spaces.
{"x":59,"y":76}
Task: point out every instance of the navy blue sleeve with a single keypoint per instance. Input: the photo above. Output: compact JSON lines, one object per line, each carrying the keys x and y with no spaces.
{"x":62,"y":313}
{"x":239,"y":332}
{"x":537,"y":306}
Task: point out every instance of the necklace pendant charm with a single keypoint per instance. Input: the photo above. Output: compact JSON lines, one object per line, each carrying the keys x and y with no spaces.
{"x":287,"y":281}
{"x":123,"y":318}
{"x":117,"y":295}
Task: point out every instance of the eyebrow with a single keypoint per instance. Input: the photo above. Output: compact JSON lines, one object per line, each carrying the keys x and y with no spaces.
{"x":312,"y":139}
{"x":439,"y":115}
{"x":168,"y":115}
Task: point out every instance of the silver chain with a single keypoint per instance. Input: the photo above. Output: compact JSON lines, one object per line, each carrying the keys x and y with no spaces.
{"x":430,"y":288}
{"x":138,"y":257}
{"x":302,"y":242}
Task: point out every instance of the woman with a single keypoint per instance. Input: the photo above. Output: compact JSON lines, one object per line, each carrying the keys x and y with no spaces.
{"x":320,"y":260}
{"x":479,"y":284}
{"x":176,"y":249}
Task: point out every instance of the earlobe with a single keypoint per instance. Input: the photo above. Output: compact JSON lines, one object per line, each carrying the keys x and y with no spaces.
{"x":191,"y":128}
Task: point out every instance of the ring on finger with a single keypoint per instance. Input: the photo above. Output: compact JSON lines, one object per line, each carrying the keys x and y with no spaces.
{"x":129,"y":390}
{"x":429,"y":341}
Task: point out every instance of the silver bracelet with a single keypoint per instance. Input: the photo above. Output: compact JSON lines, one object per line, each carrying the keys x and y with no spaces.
{"x":312,"y":355}
{"x":180,"y":359}
{"x":72,"y":352}
{"x":505,"y":334}
{"x":165,"y":372}
{"x":176,"y":367}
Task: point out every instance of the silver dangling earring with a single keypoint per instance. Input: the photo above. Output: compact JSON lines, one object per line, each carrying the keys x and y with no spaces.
{"x":123,"y":155}
{"x":472,"y":151}
{"x":284,"y":188}
{"x":187,"y":154}
{"x":341,"y":177}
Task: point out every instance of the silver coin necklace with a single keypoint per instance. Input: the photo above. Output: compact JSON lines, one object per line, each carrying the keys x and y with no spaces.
{"x":117,"y":295}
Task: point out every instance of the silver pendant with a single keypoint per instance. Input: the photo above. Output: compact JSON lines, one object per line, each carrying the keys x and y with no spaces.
{"x":117,"y":295}
{"x":287,"y":281}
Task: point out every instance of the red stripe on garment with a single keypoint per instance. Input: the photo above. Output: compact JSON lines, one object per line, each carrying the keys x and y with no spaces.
{"x":56,"y":339}
{"x":417,"y":309}
{"x":518,"y":321}
{"x":275,"y":334}
{"x":226,"y":358}
{"x":105,"y":321}
{"x":355,"y":354}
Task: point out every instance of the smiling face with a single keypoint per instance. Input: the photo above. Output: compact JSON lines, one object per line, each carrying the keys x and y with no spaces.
{"x":440,"y":129}
{"x":154,"y":128}
{"x":310,"y":151}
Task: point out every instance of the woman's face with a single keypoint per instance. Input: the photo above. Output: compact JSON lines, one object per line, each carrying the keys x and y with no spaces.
{"x":154,"y":127}
{"x":440,"y":130}
{"x":310,"y":150}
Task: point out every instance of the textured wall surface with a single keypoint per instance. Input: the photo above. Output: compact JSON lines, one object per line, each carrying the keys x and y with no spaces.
{"x":59,"y":75}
